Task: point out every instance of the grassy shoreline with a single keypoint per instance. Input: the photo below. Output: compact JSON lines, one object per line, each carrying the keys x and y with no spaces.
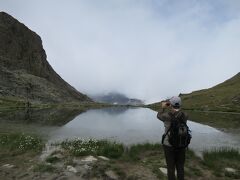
{"x":24,"y":150}
{"x":218,"y":119}
{"x":157,"y":106}
{"x":11,"y":105}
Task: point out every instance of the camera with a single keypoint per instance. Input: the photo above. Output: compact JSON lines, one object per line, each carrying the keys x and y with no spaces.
{"x":168,"y":104}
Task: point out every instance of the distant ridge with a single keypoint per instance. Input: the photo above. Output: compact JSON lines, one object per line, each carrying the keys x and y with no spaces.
{"x":117,"y":99}
{"x":222,"y":97}
{"x":25,"y":73}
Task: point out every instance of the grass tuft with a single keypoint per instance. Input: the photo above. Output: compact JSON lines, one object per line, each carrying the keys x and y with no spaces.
{"x":42,"y":167}
{"x":135,"y":150}
{"x":219,"y":159}
{"x":52,"y":159}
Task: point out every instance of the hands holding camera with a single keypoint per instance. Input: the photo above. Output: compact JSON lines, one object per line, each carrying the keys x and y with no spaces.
{"x":165,"y":104}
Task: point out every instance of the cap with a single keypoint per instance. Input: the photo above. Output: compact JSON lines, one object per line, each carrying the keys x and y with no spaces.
{"x":176,"y":102}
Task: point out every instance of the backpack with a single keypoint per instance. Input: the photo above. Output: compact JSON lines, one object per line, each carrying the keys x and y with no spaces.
{"x":179,"y":134}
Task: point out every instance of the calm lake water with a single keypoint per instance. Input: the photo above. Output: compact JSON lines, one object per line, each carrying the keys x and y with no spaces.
{"x":126,"y":125}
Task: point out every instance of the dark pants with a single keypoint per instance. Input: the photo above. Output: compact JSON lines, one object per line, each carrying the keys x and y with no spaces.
{"x":174,"y":159}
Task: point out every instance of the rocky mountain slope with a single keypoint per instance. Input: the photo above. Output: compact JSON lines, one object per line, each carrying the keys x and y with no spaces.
{"x":25,"y":74}
{"x":222,"y":97}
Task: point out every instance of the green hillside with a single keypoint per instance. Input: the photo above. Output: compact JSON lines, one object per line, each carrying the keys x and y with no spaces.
{"x":223,"y":97}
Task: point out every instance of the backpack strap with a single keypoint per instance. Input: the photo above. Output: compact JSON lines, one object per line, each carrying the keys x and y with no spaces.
{"x":165,"y":134}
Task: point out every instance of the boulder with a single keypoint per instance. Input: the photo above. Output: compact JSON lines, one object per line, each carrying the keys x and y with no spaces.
{"x":9,"y":166}
{"x":163,"y":170}
{"x":72,"y":169}
{"x":89,"y":159}
{"x":230,"y":170}
{"x":111,"y":175}
{"x":103,"y":158}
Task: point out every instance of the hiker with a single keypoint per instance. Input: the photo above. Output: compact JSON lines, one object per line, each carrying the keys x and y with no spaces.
{"x":174,"y":145}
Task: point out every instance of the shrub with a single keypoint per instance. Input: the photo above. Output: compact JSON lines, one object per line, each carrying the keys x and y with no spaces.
{"x":217,"y":160}
{"x":21,"y":142}
{"x":43,"y":168}
{"x":82,"y":147}
{"x":52,"y":159}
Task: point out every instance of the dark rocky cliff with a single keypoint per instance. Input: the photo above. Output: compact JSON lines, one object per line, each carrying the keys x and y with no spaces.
{"x":25,"y":73}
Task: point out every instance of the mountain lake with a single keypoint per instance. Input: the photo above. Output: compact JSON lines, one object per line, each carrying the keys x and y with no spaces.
{"x":120,"y":124}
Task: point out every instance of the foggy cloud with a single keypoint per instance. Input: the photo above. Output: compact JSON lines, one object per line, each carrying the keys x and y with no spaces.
{"x":146,"y":49}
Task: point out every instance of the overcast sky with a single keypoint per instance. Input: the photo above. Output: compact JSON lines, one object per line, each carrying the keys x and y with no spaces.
{"x":146,"y":49}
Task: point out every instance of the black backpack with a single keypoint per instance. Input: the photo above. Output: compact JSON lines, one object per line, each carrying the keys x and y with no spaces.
{"x":179,"y":134}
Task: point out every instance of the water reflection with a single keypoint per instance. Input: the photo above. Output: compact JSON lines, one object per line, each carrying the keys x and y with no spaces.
{"x":39,"y":121}
{"x":220,"y":120}
{"x":114,"y":110}
{"x":132,"y":126}
{"x":47,"y":116}
{"x":127,"y":125}
{"x":137,"y":126}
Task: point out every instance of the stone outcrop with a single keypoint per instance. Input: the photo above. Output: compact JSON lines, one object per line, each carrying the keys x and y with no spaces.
{"x":24,"y":70}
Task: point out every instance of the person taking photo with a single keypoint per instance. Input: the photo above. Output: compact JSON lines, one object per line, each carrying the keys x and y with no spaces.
{"x":176,"y":138}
